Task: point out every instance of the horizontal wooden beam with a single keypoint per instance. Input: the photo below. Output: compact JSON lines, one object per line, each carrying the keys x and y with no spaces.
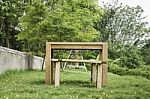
{"x":79,"y":61}
{"x":76,"y":45}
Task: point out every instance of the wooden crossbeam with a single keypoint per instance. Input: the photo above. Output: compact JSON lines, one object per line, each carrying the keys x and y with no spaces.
{"x":76,"y":45}
{"x":75,"y":60}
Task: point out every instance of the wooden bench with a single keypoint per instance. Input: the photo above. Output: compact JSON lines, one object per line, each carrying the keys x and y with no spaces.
{"x":102,"y":47}
{"x":96,"y":70}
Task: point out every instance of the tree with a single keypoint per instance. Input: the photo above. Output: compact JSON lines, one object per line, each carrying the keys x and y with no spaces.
{"x":123,"y":28}
{"x":10,"y":11}
{"x":64,"y":20}
{"x":120,"y":25}
{"x":123,"y":24}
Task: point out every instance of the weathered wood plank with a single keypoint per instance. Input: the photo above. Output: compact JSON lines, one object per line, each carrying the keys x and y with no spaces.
{"x":93,"y":73}
{"x":48,"y":64}
{"x":104,"y":57}
{"x":99,"y":76}
{"x":77,"y":45}
{"x":52,"y":68}
{"x":79,"y":61}
{"x":57,"y":74}
{"x":53,"y":73}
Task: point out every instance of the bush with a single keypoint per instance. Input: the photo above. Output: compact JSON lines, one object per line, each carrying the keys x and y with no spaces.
{"x":129,"y":56}
{"x":145,"y":50}
{"x":114,"y":68}
{"x":131,"y":62}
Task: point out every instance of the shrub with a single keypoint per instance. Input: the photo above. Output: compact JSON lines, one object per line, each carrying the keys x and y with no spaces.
{"x":129,"y":56}
{"x":114,"y":68}
{"x":145,"y":50}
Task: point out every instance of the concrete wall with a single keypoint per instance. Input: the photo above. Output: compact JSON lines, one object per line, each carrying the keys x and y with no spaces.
{"x":12,"y":59}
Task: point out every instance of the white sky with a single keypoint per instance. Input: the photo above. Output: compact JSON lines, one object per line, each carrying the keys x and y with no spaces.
{"x":145,"y":4}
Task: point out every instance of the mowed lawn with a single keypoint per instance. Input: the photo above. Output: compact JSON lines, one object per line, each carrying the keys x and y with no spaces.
{"x":75,"y":84}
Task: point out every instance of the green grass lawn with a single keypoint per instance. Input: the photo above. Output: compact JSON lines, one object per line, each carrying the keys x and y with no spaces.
{"x":74,"y":85}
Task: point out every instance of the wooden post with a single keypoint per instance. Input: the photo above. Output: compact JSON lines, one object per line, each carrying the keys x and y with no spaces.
{"x":104,"y":56}
{"x":52,"y":68}
{"x":93,"y":73}
{"x":48,"y":64}
{"x":53,"y":74}
{"x":99,"y":76}
{"x":57,"y":74}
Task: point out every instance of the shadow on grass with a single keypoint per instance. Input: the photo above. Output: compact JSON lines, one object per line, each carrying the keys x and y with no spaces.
{"x":77,"y":83}
{"x":38,"y":82}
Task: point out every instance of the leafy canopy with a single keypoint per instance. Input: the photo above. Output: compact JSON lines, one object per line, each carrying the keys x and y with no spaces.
{"x":64,"y":20}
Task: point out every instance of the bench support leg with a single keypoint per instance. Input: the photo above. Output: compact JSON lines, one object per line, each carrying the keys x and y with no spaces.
{"x":93,"y":73}
{"x":53,"y":66}
{"x":99,"y":77}
{"x":57,"y":74}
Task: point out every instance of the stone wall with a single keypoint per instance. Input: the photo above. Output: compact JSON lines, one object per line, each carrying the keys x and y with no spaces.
{"x":12,"y":59}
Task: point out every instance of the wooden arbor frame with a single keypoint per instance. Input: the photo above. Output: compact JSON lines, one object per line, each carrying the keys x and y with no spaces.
{"x":50,"y":46}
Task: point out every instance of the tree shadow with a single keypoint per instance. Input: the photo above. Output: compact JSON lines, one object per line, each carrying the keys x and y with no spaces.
{"x":38,"y":82}
{"x":78,"y":83}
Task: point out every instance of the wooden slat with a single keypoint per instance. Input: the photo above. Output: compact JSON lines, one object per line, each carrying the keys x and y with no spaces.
{"x":79,"y":61}
{"x":77,"y":45}
{"x":57,"y":74}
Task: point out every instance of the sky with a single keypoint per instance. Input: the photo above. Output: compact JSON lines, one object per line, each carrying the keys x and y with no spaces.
{"x":145,"y":4}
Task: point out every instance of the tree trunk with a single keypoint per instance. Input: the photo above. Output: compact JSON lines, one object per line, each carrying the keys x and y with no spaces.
{"x":7,"y":44}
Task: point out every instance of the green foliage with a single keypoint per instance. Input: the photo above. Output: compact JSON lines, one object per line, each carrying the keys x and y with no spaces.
{"x":121,"y":24}
{"x":145,"y":68}
{"x":89,"y":54}
{"x":145,"y":50}
{"x":126,"y":56}
{"x":115,"y":51}
{"x":131,"y":57}
{"x":116,"y":69}
{"x":65,"y":20}
{"x":31,"y":36}
{"x":122,"y":27}
{"x":10,"y":11}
